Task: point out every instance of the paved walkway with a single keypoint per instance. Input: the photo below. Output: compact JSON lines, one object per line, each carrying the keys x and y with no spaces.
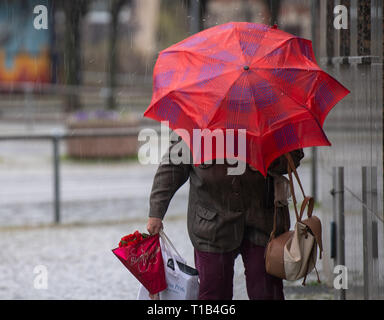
{"x":80,"y":264}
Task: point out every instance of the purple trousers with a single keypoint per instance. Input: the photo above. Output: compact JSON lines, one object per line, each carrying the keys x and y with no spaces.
{"x":216,"y":274}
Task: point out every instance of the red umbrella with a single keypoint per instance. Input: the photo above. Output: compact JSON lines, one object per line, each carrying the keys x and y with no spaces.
{"x":245,"y":76}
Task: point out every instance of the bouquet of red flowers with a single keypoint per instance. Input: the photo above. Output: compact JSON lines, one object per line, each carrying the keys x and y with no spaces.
{"x":141,"y":254}
{"x":132,"y":239}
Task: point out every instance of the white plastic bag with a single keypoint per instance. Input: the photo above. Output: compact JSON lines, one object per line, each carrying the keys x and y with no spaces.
{"x":182,"y":280}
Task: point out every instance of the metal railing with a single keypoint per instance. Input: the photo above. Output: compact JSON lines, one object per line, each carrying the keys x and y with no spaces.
{"x":55,"y":139}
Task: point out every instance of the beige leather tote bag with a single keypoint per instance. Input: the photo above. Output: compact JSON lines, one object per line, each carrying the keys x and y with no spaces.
{"x":293,"y":254}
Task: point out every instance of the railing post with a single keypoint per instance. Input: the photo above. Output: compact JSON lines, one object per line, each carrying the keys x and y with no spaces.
{"x":370,"y":237}
{"x":333,"y":227}
{"x":56,"y":177}
{"x":314,"y":174}
{"x":339,"y":224}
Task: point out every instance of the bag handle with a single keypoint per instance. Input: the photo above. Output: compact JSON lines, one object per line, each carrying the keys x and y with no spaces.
{"x":308,"y":201}
{"x":169,"y":245}
{"x":169,"y":254}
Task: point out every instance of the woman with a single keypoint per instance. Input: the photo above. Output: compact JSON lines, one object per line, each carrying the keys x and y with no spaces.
{"x":227,"y":215}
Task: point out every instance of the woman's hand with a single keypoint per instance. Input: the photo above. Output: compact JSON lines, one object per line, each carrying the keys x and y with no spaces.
{"x":154,"y":296}
{"x":154,"y":225}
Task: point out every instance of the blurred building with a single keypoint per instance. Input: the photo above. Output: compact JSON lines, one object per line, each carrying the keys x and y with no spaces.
{"x":144,"y":28}
{"x":137,"y":34}
{"x":146,"y":20}
{"x":222,"y":11}
{"x":293,"y":16}
{"x":351,"y":171}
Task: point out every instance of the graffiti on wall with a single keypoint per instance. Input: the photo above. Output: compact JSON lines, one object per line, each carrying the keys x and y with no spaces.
{"x":24,"y":49}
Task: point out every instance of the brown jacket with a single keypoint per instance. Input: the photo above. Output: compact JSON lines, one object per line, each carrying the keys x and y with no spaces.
{"x":222,"y":209}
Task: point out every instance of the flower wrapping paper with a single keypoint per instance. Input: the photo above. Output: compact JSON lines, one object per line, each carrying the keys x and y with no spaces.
{"x":144,"y":260}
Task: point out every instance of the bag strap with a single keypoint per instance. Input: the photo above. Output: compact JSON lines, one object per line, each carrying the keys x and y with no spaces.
{"x":308,"y":201}
{"x":291,"y":168}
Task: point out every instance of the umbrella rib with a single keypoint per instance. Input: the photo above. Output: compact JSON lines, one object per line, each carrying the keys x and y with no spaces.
{"x":182,"y":88}
{"x":222,"y":100}
{"x":170,"y":125}
{"x":264,"y":35}
{"x":199,"y":54}
{"x":210,"y":79}
{"x":287,"y":67}
{"x":175,"y":50}
{"x":236,"y":31}
{"x":294,"y":99}
{"x":282,"y":43}
{"x":282,"y":90}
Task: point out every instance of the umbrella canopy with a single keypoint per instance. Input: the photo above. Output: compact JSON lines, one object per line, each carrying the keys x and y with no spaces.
{"x":245,"y":76}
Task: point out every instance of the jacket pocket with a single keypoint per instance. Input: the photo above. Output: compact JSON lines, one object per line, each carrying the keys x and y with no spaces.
{"x":205,"y":223}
